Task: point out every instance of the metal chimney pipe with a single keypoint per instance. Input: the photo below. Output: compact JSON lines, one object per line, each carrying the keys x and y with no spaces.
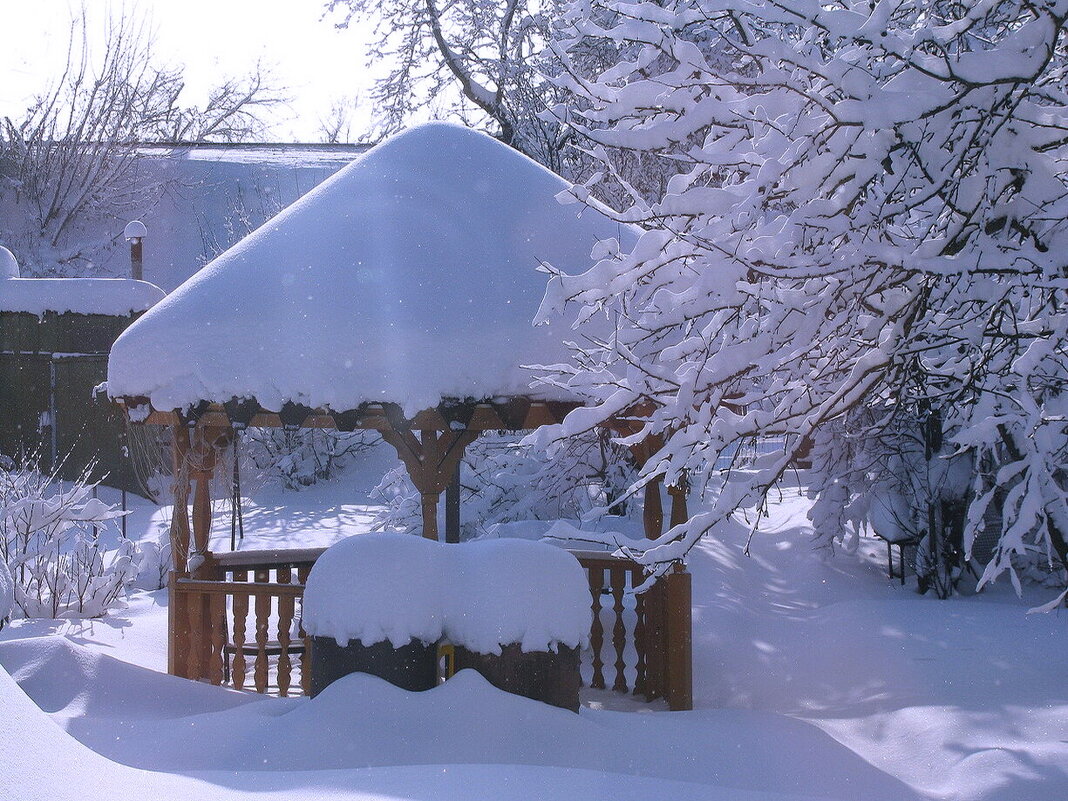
{"x":135,"y":232}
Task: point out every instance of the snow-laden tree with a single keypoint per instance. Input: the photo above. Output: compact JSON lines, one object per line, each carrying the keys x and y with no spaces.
{"x":70,"y":172}
{"x":864,"y":250}
{"x":482,"y":61}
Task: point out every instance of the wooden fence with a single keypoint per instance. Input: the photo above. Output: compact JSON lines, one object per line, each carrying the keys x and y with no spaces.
{"x":240,"y":626}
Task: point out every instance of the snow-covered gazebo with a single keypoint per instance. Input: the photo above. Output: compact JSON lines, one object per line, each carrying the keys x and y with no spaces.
{"x":398,"y":296}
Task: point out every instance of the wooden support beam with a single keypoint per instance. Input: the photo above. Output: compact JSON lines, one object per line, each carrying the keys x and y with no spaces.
{"x":431,"y":460}
{"x":678,"y":619}
{"x":653,"y":511}
{"x":679,"y":511}
{"x":206,"y":444}
{"x":452,"y":507}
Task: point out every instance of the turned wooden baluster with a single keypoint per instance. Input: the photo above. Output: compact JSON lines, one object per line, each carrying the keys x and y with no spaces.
{"x":263,"y":614}
{"x":196,"y":636}
{"x":619,"y":631}
{"x":597,"y":629}
{"x":305,"y":654}
{"x":240,"y":616}
{"x":217,"y":618}
{"x":636,"y":577}
{"x":285,"y":620}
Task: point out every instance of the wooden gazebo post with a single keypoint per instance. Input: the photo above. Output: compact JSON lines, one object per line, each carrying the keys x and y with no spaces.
{"x":431,"y":459}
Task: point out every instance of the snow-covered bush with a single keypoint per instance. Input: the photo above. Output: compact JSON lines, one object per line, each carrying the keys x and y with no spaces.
{"x":7,"y":594}
{"x":305,"y":456}
{"x":51,"y":541}
{"x":506,"y":477}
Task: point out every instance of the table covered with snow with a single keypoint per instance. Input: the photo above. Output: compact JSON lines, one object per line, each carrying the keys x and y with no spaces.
{"x":500,"y":602}
{"x":410,"y":276}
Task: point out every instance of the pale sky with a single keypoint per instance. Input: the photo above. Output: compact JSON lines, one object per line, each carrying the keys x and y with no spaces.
{"x":313,"y":61}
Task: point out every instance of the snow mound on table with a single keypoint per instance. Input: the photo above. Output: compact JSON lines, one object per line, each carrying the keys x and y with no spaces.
{"x":481,"y":594}
{"x":376,"y":587}
{"x":410,"y":275}
{"x":516,"y":591}
{"x":113,"y":296}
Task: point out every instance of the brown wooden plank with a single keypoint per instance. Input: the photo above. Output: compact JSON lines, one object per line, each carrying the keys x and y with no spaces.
{"x":235,"y":588}
{"x":428,"y":420}
{"x":269,"y":558}
{"x":485,"y":418}
{"x":539,"y":415}
{"x":305,"y":655}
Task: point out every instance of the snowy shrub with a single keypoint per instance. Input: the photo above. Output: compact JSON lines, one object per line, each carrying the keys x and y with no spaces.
{"x":51,"y":541}
{"x":303,"y":457}
{"x":507,"y":477}
{"x":154,"y":562}
{"x":7,"y":594}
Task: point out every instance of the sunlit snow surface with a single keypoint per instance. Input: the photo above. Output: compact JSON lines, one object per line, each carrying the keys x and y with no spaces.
{"x":814,"y":679}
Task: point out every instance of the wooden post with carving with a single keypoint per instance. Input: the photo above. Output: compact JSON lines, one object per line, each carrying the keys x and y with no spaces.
{"x":431,"y":460}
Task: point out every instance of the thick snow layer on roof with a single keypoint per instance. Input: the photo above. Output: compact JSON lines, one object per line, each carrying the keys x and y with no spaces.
{"x":481,"y":594}
{"x":115,"y":296}
{"x":409,"y":276}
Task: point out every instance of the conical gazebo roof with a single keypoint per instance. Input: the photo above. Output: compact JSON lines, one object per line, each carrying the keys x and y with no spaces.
{"x":410,"y":276}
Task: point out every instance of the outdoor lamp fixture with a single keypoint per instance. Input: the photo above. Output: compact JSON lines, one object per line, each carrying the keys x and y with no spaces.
{"x":134,"y":232}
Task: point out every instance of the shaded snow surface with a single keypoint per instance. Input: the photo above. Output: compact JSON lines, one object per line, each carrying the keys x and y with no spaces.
{"x":410,"y":275}
{"x":815,"y":678}
{"x":361,"y":731}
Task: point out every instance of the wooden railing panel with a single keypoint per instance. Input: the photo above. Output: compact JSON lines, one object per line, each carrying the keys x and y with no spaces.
{"x":650,"y":633}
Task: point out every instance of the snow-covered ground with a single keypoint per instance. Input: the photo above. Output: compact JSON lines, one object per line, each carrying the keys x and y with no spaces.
{"x":814,"y":679}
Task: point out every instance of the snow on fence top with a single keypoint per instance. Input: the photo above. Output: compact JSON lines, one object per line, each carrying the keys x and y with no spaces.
{"x":409,"y":276}
{"x":111,"y":296}
{"x":480,"y":595}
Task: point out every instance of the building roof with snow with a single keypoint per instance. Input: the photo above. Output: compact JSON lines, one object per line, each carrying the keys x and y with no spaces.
{"x":109,"y":296}
{"x":409,"y":276}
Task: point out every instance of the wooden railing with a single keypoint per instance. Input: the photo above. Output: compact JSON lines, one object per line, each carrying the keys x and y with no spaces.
{"x":639,"y":644}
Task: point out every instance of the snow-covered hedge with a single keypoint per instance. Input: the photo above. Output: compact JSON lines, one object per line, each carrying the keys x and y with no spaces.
{"x":481,"y":595}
